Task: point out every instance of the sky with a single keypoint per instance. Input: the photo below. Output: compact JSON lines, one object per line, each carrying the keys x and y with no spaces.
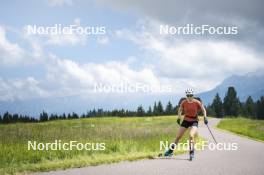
{"x":130,"y":51}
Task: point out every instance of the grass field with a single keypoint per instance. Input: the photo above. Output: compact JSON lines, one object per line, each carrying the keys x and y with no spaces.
{"x":124,"y":138}
{"x":242,"y":126}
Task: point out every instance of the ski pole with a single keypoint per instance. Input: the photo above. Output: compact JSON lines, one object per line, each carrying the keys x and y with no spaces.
{"x":211,"y":133}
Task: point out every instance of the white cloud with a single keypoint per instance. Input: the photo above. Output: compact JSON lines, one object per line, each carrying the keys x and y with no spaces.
{"x":67,"y":39}
{"x":204,"y":59}
{"x":193,"y":63}
{"x":10,"y":53}
{"x":35,"y":43}
{"x":77,"y":21}
{"x":177,"y":12}
{"x":83,"y":77}
{"x":13,"y":89}
{"x":65,"y":77}
{"x":199,"y":63}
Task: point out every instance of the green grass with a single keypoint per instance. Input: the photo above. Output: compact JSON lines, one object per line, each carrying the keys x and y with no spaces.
{"x":124,"y":138}
{"x":247,"y":127}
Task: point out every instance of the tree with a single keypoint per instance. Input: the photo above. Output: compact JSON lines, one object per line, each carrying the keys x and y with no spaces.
{"x":169,"y":109}
{"x":249,"y":107}
{"x":260,"y":108}
{"x":217,"y":106}
{"x":69,"y":116}
{"x":52,"y":117}
{"x":74,"y":115}
{"x":7,"y":118}
{"x":149,"y":112}
{"x":43,"y":116}
{"x":231,"y":102}
{"x":1,"y":120}
{"x":64,"y":116}
{"x":155,"y":109}
{"x":160,"y":108}
{"x":140,"y":111}
{"x":209,"y":110}
{"x":15,"y":117}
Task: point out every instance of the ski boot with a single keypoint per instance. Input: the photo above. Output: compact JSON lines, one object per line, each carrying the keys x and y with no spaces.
{"x":168,"y":153}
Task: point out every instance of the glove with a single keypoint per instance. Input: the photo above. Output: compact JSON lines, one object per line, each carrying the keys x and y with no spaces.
{"x":179,"y":121}
{"x":205,"y":121}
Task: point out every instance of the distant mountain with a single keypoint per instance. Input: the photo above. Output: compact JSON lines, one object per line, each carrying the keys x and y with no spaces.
{"x":33,"y":107}
{"x":249,"y":84}
{"x":78,"y":104}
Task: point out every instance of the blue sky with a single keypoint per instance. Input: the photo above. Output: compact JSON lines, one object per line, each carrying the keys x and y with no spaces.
{"x":132,"y":50}
{"x":41,"y":13}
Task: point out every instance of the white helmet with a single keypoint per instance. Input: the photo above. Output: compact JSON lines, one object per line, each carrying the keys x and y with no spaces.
{"x":189,"y":91}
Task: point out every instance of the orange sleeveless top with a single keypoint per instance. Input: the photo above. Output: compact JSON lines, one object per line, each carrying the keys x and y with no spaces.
{"x":190,"y":109}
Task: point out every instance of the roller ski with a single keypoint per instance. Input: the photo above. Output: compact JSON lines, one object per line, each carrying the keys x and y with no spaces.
{"x":191,"y":154}
{"x":167,"y":154}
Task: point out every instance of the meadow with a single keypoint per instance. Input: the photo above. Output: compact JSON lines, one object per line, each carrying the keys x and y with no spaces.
{"x":243,"y":126}
{"x":125,"y":139}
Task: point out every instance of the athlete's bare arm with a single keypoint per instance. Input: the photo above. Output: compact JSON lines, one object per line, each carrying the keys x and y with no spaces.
{"x":203,"y":110}
{"x":205,"y":115}
{"x":180,"y":112}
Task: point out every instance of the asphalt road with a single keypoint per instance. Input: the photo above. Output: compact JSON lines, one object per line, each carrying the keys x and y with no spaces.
{"x":248,"y":159}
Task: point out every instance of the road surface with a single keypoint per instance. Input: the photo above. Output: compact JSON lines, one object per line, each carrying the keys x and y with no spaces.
{"x":248,"y":159}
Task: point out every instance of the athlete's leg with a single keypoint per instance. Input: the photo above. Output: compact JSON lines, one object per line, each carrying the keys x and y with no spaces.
{"x":192,"y":134}
{"x":180,"y":133}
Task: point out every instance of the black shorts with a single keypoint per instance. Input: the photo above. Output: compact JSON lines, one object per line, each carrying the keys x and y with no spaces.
{"x":187,"y":124}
